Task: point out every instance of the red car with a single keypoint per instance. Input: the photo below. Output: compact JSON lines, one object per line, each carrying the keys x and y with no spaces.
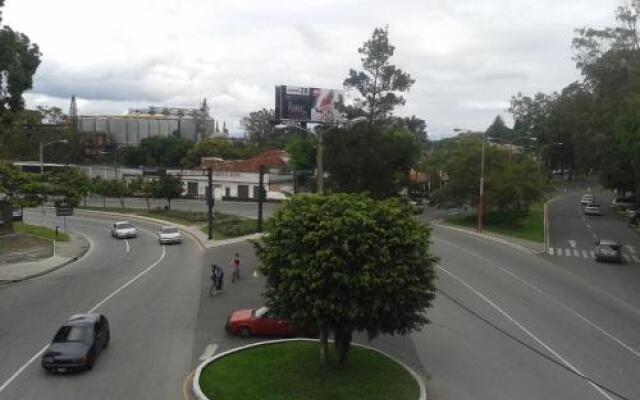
{"x":258,"y":322}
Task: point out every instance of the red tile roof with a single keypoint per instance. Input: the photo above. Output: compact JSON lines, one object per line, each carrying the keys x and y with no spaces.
{"x":270,"y":159}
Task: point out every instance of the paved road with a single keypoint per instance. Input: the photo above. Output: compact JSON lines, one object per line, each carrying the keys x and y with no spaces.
{"x":240,"y":208}
{"x":150,"y":293}
{"x":506,"y":325}
{"x":572,"y":235}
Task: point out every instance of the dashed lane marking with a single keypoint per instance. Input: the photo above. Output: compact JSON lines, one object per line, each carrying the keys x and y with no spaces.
{"x":550,"y":251}
{"x":572,"y":243}
{"x":585,"y":254}
{"x":567,"y":252}
{"x":209,"y":351}
{"x":626,"y":257}
{"x":635,"y":258}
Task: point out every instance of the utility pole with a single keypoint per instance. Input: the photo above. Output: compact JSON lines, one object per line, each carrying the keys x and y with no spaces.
{"x":481,"y":197}
{"x":261,"y":196}
{"x":210,"y":202}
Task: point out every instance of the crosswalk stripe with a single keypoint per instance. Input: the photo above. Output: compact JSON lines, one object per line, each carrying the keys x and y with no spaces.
{"x":635,"y":259}
{"x":592,"y":254}
{"x":631,"y":249}
{"x":584,"y":254}
{"x":550,"y":251}
{"x":576,"y":253}
{"x":626,"y":257}
{"x":567,"y":252}
{"x":559,"y":251}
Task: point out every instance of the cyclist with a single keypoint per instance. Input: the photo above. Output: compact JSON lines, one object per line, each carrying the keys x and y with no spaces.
{"x":235,"y":266}
{"x":217,"y":276}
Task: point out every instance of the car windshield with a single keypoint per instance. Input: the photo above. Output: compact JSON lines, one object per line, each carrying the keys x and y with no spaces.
{"x":169,"y":230}
{"x":73,"y":334}
{"x":124,"y":226}
{"x":260,"y":312}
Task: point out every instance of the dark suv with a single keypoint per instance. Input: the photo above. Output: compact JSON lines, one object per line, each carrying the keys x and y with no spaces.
{"x":77,"y":343}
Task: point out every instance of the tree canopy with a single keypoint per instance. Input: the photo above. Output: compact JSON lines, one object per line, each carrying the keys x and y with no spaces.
{"x":379,"y":82}
{"x":345,"y":263}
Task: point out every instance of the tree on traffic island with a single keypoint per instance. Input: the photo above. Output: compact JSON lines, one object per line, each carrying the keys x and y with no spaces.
{"x":344,"y":262}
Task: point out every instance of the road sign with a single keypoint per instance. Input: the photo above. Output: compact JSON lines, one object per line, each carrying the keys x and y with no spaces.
{"x":64,"y":210}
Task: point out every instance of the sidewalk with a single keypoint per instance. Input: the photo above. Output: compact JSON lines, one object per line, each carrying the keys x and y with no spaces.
{"x":65,"y":253}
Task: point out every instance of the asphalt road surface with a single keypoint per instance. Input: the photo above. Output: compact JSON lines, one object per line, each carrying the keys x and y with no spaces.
{"x":506,"y":324}
{"x":244,"y":209}
{"x":572,"y":236}
{"x":150,"y":295}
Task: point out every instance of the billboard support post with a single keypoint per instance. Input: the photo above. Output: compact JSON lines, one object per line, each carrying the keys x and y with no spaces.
{"x":319,"y":162}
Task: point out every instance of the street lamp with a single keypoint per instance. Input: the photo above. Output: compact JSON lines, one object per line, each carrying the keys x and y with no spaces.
{"x":481,"y":196}
{"x":320,"y":150}
{"x":42,"y":146}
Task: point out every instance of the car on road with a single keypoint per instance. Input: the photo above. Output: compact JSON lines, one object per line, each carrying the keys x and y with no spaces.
{"x":169,"y":234}
{"x":587,"y":199}
{"x":592,"y":209}
{"x":77,"y":343}
{"x":123,"y":230}
{"x":258,"y":322}
{"x":633,"y":212}
{"x":623,"y":202}
{"x":608,"y":250}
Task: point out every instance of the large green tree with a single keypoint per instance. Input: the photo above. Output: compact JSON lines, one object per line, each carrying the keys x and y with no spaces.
{"x":343,"y":263}
{"x":157,"y":151}
{"x":19,"y":60}
{"x":369,"y":158}
{"x":380,"y":83}
{"x":302,"y":150}
{"x":167,"y":187}
{"x":498,"y":129}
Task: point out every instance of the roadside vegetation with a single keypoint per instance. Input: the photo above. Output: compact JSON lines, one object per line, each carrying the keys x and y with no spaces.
{"x":530,"y":227}
{"x":291,"y":371}
{"x":40,"y":231}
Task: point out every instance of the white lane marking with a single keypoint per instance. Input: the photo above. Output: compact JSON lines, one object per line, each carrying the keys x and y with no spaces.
{"x":567,"y":252}
{"x":631,"y":249}
{"x":585,"y":254}
{"x":525,"y":330}
{"x":550,"y":251}
{"x":626,"y":257}
{"x":635,"y":259}
{"x":572,"y":243}
{"x":559,"y":251}
{"x":39,"y":353}
{"x":127,"y":243}
{"x":209,"y":351}
{"x":576,"y":253}
{"x":553,"y":299}
{"x":592,"y":254}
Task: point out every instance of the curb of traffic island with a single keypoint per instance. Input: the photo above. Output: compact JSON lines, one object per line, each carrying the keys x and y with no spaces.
{"x":197,"y":390}
{"x":192,"y":231}
{"x":56,"y":267}
{"x":491,"y":237}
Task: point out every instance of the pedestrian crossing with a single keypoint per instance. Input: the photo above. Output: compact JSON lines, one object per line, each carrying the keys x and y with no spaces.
{"x":629,"y":254}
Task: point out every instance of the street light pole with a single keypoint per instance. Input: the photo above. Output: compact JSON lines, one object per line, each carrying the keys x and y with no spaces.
{"x":481,"y":197}
{"x":41,"y":148}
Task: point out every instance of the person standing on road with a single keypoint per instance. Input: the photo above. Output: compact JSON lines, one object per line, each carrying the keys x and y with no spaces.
{"x":235,"y":266}
{"x":217,"y":276}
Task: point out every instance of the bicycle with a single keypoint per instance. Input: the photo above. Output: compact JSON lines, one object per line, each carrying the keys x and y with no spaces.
{"x":235,"y":276}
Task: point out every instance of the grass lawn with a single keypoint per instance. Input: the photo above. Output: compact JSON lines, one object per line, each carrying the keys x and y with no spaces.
{"x":292,"y":371}
{"x":40,"y":231}
{"x":225,"y":226}
{"x":532,"y":227}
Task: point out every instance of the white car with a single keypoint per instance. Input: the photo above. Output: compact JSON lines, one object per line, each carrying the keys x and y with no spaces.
{"x":169,"y":234}
{"x":592,"y":209}
{"x":586,"y":199}
{"x":123,"y":230}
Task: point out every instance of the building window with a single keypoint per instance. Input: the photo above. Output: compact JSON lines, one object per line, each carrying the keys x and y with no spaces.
{"x":227,"y":192}
{"x":243,"y":191}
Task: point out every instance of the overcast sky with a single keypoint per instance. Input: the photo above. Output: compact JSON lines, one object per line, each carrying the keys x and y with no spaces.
{"x":468,"y":57}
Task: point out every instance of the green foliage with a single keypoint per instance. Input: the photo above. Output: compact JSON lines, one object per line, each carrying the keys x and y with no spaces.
{"x":347,"y":263}
{"x":380,"y":82}
{"x":157,"y":151}
{"x":302,"y":150}
{"x":19,"y":58}
{"x":259,"y":129}
{"x":40,"y":231}
{"x":381,"y":164}
{"x":498,"y":129}
{"x":167,"y":187}
{"x":21,"y":188}
{"x":222,"y":148}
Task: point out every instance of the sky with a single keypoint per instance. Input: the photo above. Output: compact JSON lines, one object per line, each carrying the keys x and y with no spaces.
{"x":468,"y":57}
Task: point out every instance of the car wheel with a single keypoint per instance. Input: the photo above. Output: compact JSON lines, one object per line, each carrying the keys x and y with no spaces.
{"x":90,"y":361}
{"x":106,"y":342}
{"x":244,"y":332}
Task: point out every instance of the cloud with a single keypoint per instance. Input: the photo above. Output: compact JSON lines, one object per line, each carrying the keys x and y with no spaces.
{"x":468,"y":58}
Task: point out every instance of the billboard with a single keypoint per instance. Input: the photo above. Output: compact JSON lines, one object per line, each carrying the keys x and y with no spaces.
{"x":308,"y":104}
